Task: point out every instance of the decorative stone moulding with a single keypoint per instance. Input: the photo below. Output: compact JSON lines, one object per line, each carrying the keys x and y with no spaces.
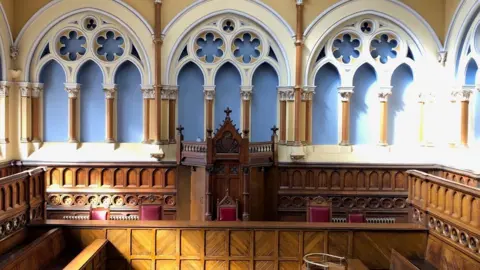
{"x":384,"y":46}
{"x":209,"y":47}
{"x":109,"y":45}
{"x":247,"y":47}
{"x":71,"y":44}
{"x":347,"y":47}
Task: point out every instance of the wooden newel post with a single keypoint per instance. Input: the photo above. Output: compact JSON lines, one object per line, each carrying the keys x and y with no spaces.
{"x":246,"y":194}
{"x":345,"y":94}
{"x":208,"y":192}
{"x":179,"y":139}
{"x":73,"y":90}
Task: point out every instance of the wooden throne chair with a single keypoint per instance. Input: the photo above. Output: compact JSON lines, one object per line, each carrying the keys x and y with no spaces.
{"x":150,"y":208}
{"x":227,"y":208}
{"x":319,"y":210}
{"x":356,"y":216}
{"x":99,"y":213}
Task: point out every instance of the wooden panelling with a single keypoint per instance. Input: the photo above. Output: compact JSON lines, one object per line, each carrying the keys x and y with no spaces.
{"x":216,"y":245}
{"x":8,"y":168}
{"x":445,"y":256}
{"x":92,"y":257}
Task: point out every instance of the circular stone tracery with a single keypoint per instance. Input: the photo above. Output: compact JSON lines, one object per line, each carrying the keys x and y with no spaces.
{"x":384,"y":47}
{"x":246,"y":47}
{"x":109,"y":45}
{"x":209,"y":47}
{"x":71,"y":44}
{"x":346,"y":47}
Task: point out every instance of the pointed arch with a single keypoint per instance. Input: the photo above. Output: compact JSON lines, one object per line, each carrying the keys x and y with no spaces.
{"x":227,"y":93}
{"x":471,"y":72}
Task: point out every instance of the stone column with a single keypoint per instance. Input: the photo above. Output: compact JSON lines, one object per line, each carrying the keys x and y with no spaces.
{"x":345,"y":94}
{"x":465,"y":94}
{"x":37,"y":89}
{"x":4,"y":112}
{"x":110,"y":91}
{"x":209,"y":91}
{"x":148,"y":94}
{"x":171,"y":93}
{"x":385,"y":91}
{"x":246,"y":94}
{"x":157,"y":40}
{"x":73,"y":90}
{"x":307,"y":96}
{"x":298,"y":70}
{"x":25,"y":111}
{"x":285,"y":93}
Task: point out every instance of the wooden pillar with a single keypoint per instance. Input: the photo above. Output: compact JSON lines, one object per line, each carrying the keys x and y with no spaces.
{"x":383,"y":96}
{"x":148,"y":94}
{"x":109,"y":90}
{"x":307,"y":96}
{"x":246,"y":94}
{"x":345,"y":94}
{"x":209,"y":92}
{"x":298,"y":70}
{"x":37,"y":89}
{"x":285,"y":93}
{"x":208,"y":192}
{"x":158,"y":71}
{"x":25,"y":111}
{"x":4,"y":112}
{"x":467,"y":90}
{"x":246,"y":194}
{"x":73,"y":89}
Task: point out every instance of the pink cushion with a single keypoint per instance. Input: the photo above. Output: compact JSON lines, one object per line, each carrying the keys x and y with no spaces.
{"x":151,"y":212}
{"x":356,"y":218}
{"x":228,"y":214}
{"x":99,"y":214}
{"x":319,"y":214}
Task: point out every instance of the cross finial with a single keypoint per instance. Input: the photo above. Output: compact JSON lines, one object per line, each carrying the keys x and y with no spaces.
{"x":274,"y":129}
{"x":228,"y":111}
{"x":180,"y":129}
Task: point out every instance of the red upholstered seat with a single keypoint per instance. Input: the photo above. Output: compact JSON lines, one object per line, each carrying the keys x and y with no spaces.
{"x":228,"y":214}
{"x":319,"y":214}
{"x":150,"y":212}
{"x":356,"y":218}
{"x":99,"y":214}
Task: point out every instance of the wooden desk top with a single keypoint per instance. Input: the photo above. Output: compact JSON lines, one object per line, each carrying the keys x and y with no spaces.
{"x":236,"y":225}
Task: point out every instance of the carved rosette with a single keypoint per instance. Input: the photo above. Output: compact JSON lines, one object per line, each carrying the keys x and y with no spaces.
{"x":308,"y":92}
{"x":169,"y":92}
{"x":72,"y":89}
{"x":25,"y":89}
{"x":209,"y":92}
{"x":109,"y":90}
{"x":37,"y":89}
{"x":246,"y":92}
{"x":458,"y":235}
{"x":4,"y":88}
{"x":386,"y":203}
{"x":384,"y":92}
{"x":148,"y":91}
{"x":107,"y":200}
{"x":286,"y":93}
{"x":13,"y":224}
{"x":345,"y":93}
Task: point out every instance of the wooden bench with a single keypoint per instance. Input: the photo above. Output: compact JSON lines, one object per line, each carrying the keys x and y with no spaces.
{"x":399,"y":262}
{"x":94,"y":256}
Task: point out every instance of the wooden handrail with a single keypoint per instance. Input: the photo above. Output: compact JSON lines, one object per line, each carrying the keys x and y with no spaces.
{"x":20,"y":175}
{"x":87,"y":256}
{"x":473,"y":191}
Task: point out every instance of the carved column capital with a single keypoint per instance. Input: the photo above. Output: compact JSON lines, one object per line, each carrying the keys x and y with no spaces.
{"x":209,"y":91}
{"x":169,"y":92}
{"x":158,"y":1}
{"x":286,"y":93}
{"x":308,"y":92}
{"x":148,"y":91}
{"x":384,"y":92}
{"x":246,"y":92}
{"x":299,"y":2}
{"x":424,"y":97}
{"x":109,"y":90}
{"x":25,"y":89}
{"x":345,"y":92}
{"x":72,"y":89}
{"x":467,"y":91}
{"x":37,"y":89}
{"x":13,"y":52}
{"x":4,"y":88}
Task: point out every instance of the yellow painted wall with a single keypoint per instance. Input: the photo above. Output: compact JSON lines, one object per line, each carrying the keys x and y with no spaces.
{"x":24,"y":9}
{"x":433,"y":11}
{"x":8,"y":7}
{"x":450,"y":8}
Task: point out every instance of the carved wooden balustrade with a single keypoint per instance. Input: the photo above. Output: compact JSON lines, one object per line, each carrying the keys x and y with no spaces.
{"x":460,"y":176}
{"x":21,"y":200}
{"x":8,"y":168}
{"x":451,"y":210}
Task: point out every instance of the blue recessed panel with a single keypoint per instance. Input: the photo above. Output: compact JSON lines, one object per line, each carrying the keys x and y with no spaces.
{"x":363,"y":118}
{"x":402,"y":127}
{"x":55,"y":103}
{"x":92,"y":103}
{"x":191,"y":101}
{"x":129,"y":104}
{"x":264,"y":103}
{"x":227,"y":94}
{"x":471,"y":72}
{"x":325,"y":106}
{"x":476,"y":116}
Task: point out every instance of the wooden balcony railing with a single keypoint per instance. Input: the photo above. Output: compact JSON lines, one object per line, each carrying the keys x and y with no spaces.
{"x":196,"y":147}
{"x":260,"y":147}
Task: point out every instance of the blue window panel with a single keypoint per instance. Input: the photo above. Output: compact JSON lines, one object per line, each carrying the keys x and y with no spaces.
{"x":55,"y":103}
{"x":92,"y":103}
{"x":210,"y":47}
{"x":191,"y":101}
{"x":129,"y":104}
{"x":227,"y":94}
{"x":325,"y":106}
{"x":264,"y":103}
{"x":471,"y":72}
{"x":347,"y":48}
{"x":384,"y":48}
{"x":364,"y":121}
{"x":402,"y":127}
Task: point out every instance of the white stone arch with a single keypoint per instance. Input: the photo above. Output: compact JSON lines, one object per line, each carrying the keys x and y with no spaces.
{"x":45,"y":61}
{"x":6,"y":40}
{"x":56,"y":11}
{"x":183,"y":63}
{"x":201,"y":11}
{"x":470,"y":49}
{"x":214,"y":71}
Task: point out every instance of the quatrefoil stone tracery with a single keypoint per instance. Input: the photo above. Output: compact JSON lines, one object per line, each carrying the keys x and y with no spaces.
{"x":384,"y":47}
{"x":110,"y":45}
{"x":71,"y":45}
{"x":247,"y":48}
{"x":209,"y":47}
{"x":346,"y":47}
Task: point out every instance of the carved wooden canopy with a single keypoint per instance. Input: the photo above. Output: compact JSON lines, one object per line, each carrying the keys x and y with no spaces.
{"x":227,"y":139}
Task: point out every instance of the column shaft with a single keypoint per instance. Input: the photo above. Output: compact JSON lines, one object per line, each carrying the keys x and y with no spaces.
{"x":4,"y":112}
{"x":72,"y":89}
{"x":464,"y":122}
{"x":171,"y":120}
{"x":283,"y":121}
{"x":298,"y":71}
{"x":158,"y":71}
{"x":383,"y":122}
